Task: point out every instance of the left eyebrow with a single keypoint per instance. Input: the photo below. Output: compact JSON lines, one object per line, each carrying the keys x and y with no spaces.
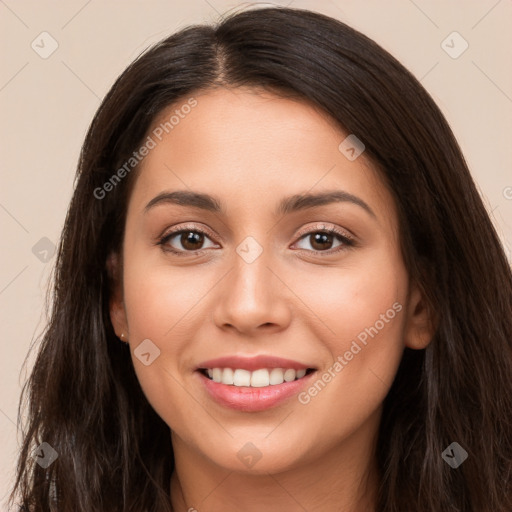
{"x":287,"y":205}
{"x":304,"y":201}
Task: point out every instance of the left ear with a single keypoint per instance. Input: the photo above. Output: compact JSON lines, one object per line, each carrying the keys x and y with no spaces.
{"x":420,"y":325}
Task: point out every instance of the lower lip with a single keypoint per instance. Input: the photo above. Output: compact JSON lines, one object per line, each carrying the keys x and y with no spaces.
{"x":248,"y":399}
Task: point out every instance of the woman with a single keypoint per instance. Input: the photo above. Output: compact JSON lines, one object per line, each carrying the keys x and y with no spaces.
{"x":277,"y":289}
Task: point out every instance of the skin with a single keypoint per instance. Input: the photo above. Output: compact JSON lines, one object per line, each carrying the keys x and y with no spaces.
{"x":250,"y":148}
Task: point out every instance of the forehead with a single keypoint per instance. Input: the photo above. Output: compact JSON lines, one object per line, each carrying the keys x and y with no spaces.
{"x":251,"y":147}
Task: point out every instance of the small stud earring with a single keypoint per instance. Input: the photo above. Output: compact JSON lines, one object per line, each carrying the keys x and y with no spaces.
{"x":122,"y":338}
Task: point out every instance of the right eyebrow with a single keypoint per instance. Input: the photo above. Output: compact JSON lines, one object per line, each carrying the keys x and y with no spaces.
{"x":186,"y":198}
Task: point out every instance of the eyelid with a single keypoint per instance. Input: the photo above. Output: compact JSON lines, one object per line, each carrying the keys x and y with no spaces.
{"x":163,"y":239}
{"x":189,"y":227}
{"x":325,"y":226}
{"x":319,"y":227}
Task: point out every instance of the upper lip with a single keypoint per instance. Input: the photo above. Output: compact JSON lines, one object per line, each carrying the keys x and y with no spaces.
{"x":252,"y":363}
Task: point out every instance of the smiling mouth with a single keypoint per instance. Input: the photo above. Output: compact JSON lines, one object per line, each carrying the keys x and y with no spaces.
{"x":259,"y":378}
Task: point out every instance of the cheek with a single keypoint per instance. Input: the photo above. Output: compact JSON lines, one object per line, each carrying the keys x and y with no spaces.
{"x":159,"y":306}
{"x":351,"y":299}
{"x":364,"y":309}
{"x":160,"y":300}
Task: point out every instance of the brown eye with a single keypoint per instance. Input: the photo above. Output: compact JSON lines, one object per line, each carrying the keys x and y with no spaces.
{"x":185,"y":241}
{"x":191,"y":240}
{"x":321,"y":241}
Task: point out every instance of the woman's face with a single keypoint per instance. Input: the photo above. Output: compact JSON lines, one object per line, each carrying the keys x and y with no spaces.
{"x":256,"y":274}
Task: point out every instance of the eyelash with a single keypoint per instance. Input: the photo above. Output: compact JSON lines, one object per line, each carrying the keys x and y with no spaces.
{"x":346,"y":240}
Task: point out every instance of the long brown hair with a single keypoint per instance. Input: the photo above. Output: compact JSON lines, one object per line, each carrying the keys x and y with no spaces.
{"x":84,"y":400}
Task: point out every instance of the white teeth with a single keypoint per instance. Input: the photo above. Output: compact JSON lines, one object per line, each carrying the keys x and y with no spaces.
{"x":227,"y":376}
{"x":289,"y":375}
{"x":257,"y":379}
{"x":276,"y":376}
{"x":241,"y":378}
{"x":217,"y":374}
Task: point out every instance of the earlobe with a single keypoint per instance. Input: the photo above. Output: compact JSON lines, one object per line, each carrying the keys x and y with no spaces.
{"x":116,"y":300}
{"x":420,"y":325}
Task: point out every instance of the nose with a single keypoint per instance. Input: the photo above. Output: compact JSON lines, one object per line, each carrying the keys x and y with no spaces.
{"x":253,"y":298}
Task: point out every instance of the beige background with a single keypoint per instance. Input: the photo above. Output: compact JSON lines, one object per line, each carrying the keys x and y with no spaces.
{"x":47,"y":104}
